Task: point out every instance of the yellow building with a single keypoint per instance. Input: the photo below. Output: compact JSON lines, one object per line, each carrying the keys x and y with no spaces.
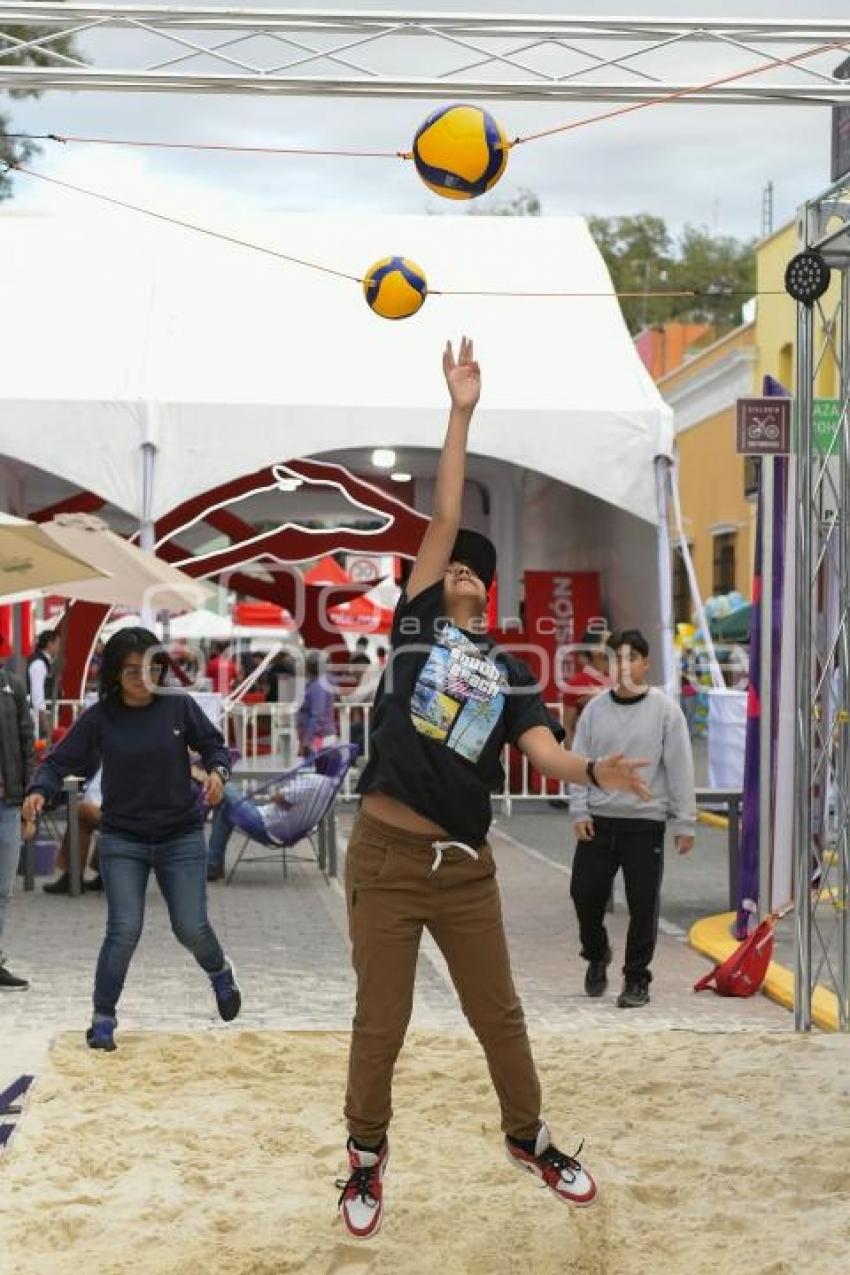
{"x":718,"y":487}
{"x":717,"y":511}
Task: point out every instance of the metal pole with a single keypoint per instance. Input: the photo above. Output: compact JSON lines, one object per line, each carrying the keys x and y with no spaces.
{"x":331,"y":864}
{"x":842,"y":769}
{"x":72,"y":788}
{"x":28,"y":850}
{"x":665,"y":590}
{"x":147,"y":533}
{"x":803,"y":647}
{"x":733,"y":848}
{"x":765,"y":772}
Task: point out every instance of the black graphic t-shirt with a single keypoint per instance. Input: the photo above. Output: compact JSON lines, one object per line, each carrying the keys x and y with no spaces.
{"x":447,"y":704}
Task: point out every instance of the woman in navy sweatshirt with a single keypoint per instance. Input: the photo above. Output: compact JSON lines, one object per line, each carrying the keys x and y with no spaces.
{"x":141,"y":732}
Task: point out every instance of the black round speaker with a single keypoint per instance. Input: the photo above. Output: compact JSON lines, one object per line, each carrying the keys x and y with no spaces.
{"x":807,"y":276}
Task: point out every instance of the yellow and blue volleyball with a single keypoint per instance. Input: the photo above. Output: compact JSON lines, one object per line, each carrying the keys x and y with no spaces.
{"x":460,"y":152}
{"x":395,"y":287}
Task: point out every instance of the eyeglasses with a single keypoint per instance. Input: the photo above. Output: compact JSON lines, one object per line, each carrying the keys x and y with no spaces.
{"x":136,"y":672}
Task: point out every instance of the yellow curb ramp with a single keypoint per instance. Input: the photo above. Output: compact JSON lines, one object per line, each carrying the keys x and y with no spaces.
{"x":713,"y":937}
{"x":712,"y":820}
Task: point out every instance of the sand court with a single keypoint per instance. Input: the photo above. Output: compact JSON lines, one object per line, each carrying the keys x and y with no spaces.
{"x":216,"y":1152}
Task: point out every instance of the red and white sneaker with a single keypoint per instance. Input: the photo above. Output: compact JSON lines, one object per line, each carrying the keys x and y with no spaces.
{"x":563,"y":1174}
{"x":361,"y":1202}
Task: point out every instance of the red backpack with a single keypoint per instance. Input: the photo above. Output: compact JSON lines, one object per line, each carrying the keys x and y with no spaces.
{"x":743,"y":972}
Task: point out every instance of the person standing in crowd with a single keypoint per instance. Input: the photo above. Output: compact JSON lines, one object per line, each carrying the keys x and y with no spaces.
{"x":418,"y":855}
{"x":281,"y":680}
{"x":592,"y":675}
{"x":88,"y":821}
{"x":615,"y":832}
{"x":151,"y":817}
{"x":93,"y":669}
{"x":42,"y":680}
{"x":316,"y":723}
{"x":361,"y":657}
{"x":17,"y":758}
{"x":222,"y":670}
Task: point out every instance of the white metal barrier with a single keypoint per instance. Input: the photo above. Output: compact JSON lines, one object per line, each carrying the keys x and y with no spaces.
{"x":266,"y":734}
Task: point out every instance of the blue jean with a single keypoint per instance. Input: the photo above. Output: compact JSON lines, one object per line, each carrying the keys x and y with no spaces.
{"x":179,"y":866}
{"x":222,"y":829}
{"x":10,"y":851}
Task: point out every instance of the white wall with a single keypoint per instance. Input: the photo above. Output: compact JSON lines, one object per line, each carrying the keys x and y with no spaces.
{"x":566,"y":529}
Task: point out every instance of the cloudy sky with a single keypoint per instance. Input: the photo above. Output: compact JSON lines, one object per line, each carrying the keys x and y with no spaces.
{"x":687,"y":163}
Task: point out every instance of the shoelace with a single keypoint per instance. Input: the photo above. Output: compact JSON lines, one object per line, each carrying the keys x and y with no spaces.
{"x":566,"y":1165}
{"x":357,"y":1184}
{"x":439,"y":846}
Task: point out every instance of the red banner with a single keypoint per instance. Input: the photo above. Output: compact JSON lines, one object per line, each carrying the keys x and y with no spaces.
{"x":558,"y":608}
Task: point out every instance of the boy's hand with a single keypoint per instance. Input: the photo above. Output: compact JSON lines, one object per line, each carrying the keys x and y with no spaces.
{"x":684,"y":843}
{"x":621,"y":773}
{"x":463,"y":376}
{"x":583,"y":829}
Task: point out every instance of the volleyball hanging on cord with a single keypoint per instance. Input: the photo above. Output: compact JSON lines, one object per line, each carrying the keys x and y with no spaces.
{"x":460,"y":152}
{"x":395,"y":287}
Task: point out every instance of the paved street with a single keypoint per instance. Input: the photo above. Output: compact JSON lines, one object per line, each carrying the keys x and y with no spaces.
{"x":289,"y":943}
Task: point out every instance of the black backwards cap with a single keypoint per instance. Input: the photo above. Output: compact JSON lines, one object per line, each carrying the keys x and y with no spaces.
{"x":477,"y":552}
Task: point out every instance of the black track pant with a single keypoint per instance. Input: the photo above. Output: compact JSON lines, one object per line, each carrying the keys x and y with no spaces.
{"x":636,"y":846}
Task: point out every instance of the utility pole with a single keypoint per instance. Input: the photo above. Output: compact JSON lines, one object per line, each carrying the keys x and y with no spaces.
{"x":767,"y":210}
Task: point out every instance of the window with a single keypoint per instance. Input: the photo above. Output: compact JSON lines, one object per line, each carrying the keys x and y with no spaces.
{"x":752,"y":475}
{"x":681,"y":590}
{"x":786,"y":366}
{"x":724,"y":562}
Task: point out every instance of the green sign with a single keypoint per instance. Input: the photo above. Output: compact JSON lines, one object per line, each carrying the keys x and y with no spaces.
{"x":826,"y":414}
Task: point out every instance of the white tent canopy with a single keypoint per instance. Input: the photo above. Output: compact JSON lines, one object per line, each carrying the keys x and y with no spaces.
{"x":121,"y":331}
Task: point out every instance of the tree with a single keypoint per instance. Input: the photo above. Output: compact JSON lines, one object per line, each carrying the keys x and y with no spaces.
{"x":642,"y":257}
{"x":523,"y":204}
{"x":15,"y":150}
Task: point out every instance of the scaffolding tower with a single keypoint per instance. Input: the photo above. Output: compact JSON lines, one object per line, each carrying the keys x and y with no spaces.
{"x":360,"y":52}
{"x":822,"y":762}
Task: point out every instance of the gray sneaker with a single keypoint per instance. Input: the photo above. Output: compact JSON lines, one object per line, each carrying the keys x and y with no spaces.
{"x":635,"y":993}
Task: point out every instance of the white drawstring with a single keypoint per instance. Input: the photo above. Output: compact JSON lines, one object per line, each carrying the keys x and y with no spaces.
{"x":439,"y":846}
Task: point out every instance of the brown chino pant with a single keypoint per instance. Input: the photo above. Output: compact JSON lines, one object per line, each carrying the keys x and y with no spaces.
{"x":392,"y":894}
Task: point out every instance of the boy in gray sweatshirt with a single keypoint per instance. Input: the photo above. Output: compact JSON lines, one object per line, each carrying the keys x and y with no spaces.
{"x":614,"y":830}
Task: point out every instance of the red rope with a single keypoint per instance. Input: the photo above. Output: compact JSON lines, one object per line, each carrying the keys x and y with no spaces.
{"x":186,"y":225}
{"x":341,"y":274}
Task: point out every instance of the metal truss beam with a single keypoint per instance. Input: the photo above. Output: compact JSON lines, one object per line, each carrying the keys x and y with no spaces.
{"x":822,"y":778}
{"x":359,"y":53}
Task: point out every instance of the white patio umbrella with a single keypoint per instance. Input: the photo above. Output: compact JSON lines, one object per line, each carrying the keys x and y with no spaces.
{"x":31,"y":560}
{"x":201,"y":624}
{"x":135,"y":578}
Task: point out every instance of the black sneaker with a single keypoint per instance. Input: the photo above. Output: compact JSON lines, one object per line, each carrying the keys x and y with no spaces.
{"x":596,"y":978}
{"x":62,"y":885}
{"x":94,"y":884}
{"x":227,"y":994}
{"x":215,"y":871}
{"x":634,"y":994}
{"x":10,"y":982}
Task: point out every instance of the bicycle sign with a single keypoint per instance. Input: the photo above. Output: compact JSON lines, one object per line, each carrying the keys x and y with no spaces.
{"x":764,"y":426}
